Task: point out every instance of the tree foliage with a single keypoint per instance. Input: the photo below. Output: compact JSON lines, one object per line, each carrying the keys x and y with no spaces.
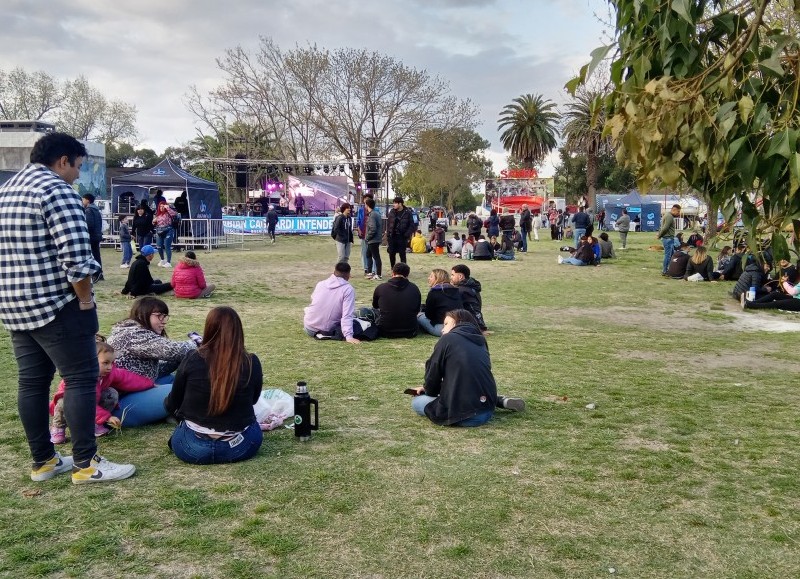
{"x":707,"y":92}
{"x":529,"y":126}
{"x":571,"y":174}
{"x":75,"y":106}
{"x":319,"y":103}
{"x":445,"y":166}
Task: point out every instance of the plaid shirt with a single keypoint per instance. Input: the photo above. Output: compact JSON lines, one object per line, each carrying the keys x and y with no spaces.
{"x":44,"y":247}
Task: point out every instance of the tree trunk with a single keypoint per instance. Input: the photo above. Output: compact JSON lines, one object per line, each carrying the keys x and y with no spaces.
{"x":591,"y":178}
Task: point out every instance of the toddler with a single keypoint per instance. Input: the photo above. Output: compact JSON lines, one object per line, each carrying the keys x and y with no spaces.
{"x":111,"y":381}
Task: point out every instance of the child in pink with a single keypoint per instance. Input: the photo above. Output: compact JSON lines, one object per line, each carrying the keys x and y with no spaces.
{"x":188,"y":279}
{"x":111,"y":381}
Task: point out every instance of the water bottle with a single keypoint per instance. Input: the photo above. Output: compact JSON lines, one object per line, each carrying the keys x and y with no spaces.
{"x":751,"y":294}
{"x":302,"y":413}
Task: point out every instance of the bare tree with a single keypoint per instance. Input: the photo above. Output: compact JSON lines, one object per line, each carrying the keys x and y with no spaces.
{"x":86,"y":114}
{"x":28,"y":95}
{"x":342,"y":103}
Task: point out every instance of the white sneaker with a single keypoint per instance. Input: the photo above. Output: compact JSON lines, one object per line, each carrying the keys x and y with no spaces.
{"x":101,"y":470}
{"x":51,"y":468}
{"x":161,"y":263}
{"x":560,"y":259}
{"x":167,"y":264}
{"x":124,"y":266}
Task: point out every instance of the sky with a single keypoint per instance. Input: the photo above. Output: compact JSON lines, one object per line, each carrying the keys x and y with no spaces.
{"x":148,"y":53}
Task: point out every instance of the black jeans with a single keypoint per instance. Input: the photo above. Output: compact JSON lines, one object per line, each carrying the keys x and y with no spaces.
{"x":397,"y":245}
{"x":68,"y":344}
{"x":374,"y":256}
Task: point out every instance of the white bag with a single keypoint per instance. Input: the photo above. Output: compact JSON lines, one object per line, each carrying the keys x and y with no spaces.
{"x":695,"y":277}
{"x":274,"y":406}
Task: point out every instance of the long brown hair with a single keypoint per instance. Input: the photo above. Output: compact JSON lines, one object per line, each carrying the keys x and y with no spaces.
{"x":143,"y":307}
{"x":699,"y":256}
{"x":224,"y":352}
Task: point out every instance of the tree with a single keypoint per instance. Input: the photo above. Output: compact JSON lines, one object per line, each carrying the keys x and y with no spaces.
{"x":28,"y":95}
{"x":707,"y":93}
{"x":584,"y":120}
{"x":571,"y":173}
{"x":345,"y":103}
{"x":444,"y":168}
{"x":529,"y":128}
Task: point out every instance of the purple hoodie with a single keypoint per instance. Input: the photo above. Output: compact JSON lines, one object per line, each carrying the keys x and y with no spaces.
{"x":333,"y":301}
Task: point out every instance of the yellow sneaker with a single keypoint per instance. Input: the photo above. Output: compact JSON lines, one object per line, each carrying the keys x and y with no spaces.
{"x":51,"y":468}
{"x":101,"y":470}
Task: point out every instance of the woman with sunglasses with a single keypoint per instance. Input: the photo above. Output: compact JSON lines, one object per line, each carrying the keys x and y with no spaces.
{"x":143,"y":347}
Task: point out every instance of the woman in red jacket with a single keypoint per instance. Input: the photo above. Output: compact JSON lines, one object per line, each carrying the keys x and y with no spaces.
{"x":188,"y":280}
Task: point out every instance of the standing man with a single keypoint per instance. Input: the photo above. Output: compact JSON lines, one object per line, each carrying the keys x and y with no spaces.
{"x":525,"y":224}
{"x":373,"y":234}
{"x":94,"y":221}
{"x":342,"y":232}
{"x":332,"y":308}
{"x":399,"y":229}
{"x":361,"y":229}
{"x":624,"y":226}
{"x":52,"y":326}
{"x":667,"y":236}
{"x":299,"y":204}
{"x":272,"y":222}
{"x":581,"y":221}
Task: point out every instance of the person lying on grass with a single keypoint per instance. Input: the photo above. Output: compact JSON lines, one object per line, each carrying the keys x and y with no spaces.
{"x":459,"y":386}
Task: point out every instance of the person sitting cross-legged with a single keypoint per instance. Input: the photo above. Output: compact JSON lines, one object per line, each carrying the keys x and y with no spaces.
{"x":395,"y":305}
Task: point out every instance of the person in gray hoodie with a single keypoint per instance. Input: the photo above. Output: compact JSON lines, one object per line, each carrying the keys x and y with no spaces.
{"x":623,"y":226}
{"x":372,"y":237}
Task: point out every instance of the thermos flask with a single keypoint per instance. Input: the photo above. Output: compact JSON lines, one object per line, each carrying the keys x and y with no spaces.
{"x":302,"y":412}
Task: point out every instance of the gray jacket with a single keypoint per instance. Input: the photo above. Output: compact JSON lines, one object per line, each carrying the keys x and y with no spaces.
{"x":374,"y":231}
{"x":624,"y":223}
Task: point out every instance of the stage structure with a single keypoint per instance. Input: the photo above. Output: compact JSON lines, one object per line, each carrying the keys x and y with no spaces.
{"x":242,"y":174}
{"x":513,"y":189}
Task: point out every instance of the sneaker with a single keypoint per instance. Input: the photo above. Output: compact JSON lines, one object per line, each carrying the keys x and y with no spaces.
{"x":101,"y":470}
{"x":161,"y":263}
{"x":51,"y":468}
{"x":560,"y":259}
{"x":517,"y":404}
{"x":167,"y":264}
{"x":58,"y":435}
{"x":369,"y":276}
{"x":100,"y":430}
{"x":323,"y":337}
{"x":123,"y":266}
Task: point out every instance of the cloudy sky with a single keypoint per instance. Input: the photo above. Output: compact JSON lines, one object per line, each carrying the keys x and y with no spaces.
{"x":148,"y":52}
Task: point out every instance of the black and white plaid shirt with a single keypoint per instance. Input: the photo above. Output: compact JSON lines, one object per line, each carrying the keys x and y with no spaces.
{"x":44,"y":247}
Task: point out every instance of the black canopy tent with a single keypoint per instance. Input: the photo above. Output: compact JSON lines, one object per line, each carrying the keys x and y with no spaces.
{"x":203,"y":195}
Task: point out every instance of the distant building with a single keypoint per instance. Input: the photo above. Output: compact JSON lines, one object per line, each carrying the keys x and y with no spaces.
{"x":17,"y":138}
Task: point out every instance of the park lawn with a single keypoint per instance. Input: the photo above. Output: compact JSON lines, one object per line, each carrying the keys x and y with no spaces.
{"x":688,"y":465}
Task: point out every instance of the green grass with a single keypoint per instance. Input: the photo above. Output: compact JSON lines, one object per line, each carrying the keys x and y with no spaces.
{"x":688,"y":466}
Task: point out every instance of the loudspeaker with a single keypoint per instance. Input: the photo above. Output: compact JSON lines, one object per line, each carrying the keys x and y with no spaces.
{"x":241,"y":172}
{"x":372,"y":175}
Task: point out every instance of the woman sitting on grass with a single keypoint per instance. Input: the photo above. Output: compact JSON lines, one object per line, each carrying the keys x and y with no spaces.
{"x":213,"y":396}
{"x":459,"y":386}
{"x":700,"y":266}
{"x":786,"y":297}
{"x":442,"y":297}
{"x":143,"y":347}
{"x":188,"y":279}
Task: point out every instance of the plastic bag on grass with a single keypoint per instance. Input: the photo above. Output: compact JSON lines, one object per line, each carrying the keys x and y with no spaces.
{"x":274,"y":406}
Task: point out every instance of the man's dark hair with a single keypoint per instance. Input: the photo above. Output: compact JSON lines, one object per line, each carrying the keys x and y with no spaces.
{"x":401,"y":268}
{"x":341,"y":269}
{"x":51,"y":147}
{"x":369,"y":202}
{"x":398,"y":200}
{"x":461,"y":268}
{"x":604,"y":236}
{"x":624,"y":211}
{"x":676,"y":206}
{"x":89,"y":197}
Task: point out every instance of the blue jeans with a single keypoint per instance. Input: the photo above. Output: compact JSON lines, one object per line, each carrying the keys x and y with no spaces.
{"x":127,"y":252}
{"x":669,"y":248}
{"x":572,"y":261}
{"x":365,"y":258}
{"x":577,"y":236}
{"x":142,"y":240}
{"x":67,"y":343}
{"x":194,"y":448}
{"x":147,"y":406}
{"x":418,"y":403}
{"x":524,"y":240}
{"x":165,"y":243}
{"x":426,"y":325}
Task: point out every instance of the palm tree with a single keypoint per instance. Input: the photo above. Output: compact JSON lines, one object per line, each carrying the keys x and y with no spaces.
{"x":530,"y":128}
{"x":583,"y":132}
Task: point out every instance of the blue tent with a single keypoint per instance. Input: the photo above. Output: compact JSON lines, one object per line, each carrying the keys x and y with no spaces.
{"x":646,"y":214}
{"x":203,"y":195}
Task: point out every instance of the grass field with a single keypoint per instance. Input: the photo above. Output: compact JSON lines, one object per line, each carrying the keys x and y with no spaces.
{"x":688,"y":466}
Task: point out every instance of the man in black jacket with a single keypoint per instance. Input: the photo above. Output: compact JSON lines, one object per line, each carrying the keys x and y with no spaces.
{"x":398,"y":301}
{"x":470,"y":289}
{"x":94,"y":221}
{"x":399,"y":229}
{"x":582,"y":222}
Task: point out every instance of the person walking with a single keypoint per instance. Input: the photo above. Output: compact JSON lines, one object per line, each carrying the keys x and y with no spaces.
{"x":54,"y":327}
{"x":624,"y":226}
{"x":272,"y":222}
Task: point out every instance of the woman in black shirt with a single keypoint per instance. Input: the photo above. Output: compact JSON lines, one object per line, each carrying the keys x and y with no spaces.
{"x":213,"y":396}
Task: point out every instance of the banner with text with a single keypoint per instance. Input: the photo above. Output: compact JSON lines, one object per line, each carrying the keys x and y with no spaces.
{"x":287,"y":224}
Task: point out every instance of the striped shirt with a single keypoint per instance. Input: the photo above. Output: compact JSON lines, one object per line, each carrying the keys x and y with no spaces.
{"x":44,"y":247}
